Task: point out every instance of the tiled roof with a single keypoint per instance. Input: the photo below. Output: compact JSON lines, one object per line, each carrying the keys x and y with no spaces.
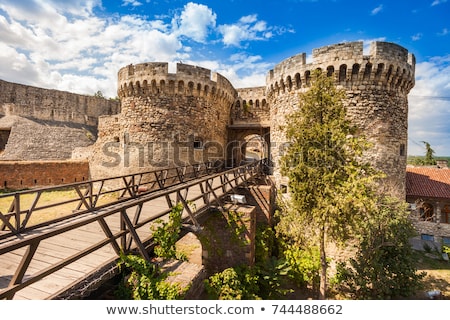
{"x":428,"y":182}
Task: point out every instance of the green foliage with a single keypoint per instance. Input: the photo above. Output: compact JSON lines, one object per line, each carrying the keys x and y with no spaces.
{"x":167,"y":233}
{"x":425,"y":160}
{"x":99,"y":94}
{"x":304,"y":266}
{"x":272,"y":276}
{"x":263,"y":281}
{"x":238,"y":228}
{"x":240,"y":283}
{"x":384,"y":267}
{"x":429,"y":152}
{"x":331,"y":187}
{"x":144,"y":281}
{"x":265,"y":244}
{"x":246,"y":107}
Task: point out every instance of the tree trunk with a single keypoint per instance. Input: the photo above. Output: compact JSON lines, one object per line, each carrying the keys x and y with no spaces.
{"x":324,"y":266}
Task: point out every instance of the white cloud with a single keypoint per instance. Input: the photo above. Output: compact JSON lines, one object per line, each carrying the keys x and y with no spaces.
{"x":195,"y":21}
{"x":429,"y":107}
{"x":248,"y":28}
{"x":377,"y":10}
{"x":417,"y":36}
{"x":132,"y":3}
{"x":444,"y":32}
{"x":63,"y":45}
{"x":54,"y":49}
{"x":438,"y":2}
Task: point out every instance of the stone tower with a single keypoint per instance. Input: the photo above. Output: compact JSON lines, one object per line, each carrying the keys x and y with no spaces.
{"x":376,"y":86}
{"x":166,"y":119}
{"x":193,"y":115}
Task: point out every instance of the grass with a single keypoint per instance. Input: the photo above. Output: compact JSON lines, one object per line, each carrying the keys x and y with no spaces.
{"x":50,"y":200}
{"x":437,"y":273}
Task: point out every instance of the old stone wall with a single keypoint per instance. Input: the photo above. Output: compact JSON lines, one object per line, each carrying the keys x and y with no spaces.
{"x":32,"y":139}
{"x":166,"y":119}
{"x":42,"y":124}
{"x":376,"y":87}
{"x":228,"y":238}
{"x":251,"y":107}
{"x":31,"y":174}
{"x":44,"y":104}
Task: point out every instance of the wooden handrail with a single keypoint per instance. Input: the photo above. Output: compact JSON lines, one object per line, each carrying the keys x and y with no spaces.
{"x":87,"y":193}
{"x":31,"y":239}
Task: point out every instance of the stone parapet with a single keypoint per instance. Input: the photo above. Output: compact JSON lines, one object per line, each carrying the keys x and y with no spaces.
{"x":376,"y":88}
{"x":153,"y":78}
{"x":388,"y":67}
{"x":53,"y":105}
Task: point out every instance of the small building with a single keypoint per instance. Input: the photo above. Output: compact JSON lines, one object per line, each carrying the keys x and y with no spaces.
{"x":428,"y":193}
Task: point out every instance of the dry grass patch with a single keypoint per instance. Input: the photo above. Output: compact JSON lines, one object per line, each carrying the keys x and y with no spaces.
{"x":50,"y":205}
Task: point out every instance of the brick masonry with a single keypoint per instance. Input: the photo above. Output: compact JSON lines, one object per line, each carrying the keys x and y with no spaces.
{"x":228,"y":244}
{"x":32,"y":174}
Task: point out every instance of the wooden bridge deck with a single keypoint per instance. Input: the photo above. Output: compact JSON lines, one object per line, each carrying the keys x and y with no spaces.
{"x":85,"y":244}
{"x":62,"y":246}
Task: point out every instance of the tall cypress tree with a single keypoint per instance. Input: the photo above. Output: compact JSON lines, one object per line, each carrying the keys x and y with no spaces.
{"x":331,"y":186}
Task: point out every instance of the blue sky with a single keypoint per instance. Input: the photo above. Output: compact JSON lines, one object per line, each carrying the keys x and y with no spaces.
{"x":79,"y":45}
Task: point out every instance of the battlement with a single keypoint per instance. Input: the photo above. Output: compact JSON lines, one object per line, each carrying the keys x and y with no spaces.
{"x":388,"y":65}
{"x":153,"y":78}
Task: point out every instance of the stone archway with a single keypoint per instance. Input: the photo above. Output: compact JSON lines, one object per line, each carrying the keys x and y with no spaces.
{"x":247,"y":144}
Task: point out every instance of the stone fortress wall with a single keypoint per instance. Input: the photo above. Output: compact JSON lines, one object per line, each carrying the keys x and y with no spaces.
{"x":41,"y":124}
{"x":167,"y":119}
{"x":251,"y":106}
{"x":376,"y":87}
{"x":53,"y":105}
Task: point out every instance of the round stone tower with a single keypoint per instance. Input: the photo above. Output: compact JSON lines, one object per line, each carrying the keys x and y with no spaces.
{"x":376,"y":86}
{"x":166,"y":119}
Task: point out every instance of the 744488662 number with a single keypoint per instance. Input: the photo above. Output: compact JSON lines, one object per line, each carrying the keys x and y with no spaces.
{"x":307,"y":309}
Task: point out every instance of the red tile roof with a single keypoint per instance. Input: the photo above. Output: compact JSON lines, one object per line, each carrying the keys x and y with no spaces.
{"x":428,"y":182}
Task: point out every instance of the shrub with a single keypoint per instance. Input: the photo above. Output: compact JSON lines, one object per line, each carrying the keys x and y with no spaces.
{"x":144,"y":281}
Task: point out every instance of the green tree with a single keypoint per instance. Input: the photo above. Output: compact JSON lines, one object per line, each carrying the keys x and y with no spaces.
{"x":99,"y":94}
{"x":331,"y":186}
{"x":429,"y":158}
{"x":383,"y":267}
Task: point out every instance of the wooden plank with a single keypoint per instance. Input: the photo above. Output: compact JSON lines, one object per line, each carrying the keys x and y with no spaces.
{"x":60,"y":246}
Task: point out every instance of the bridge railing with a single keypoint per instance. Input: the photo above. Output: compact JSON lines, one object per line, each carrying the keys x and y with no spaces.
{"x":120,"y":224}
{"x":24,"y":210}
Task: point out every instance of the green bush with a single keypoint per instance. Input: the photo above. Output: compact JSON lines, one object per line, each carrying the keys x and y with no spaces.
{"x":238,"y":283}
{"x":384,"y":266}
{"x":304,"y":266}
{"x":166,"y":234}
{"x":143,"y":280}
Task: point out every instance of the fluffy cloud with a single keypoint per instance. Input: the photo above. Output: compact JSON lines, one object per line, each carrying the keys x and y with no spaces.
{"x":377,"y":10}
{"x":61,"y":47}
{"x":429,"y":107}
{"x":195,"y":21}
{"x":64,"y":45}
{"x":247,"y":28}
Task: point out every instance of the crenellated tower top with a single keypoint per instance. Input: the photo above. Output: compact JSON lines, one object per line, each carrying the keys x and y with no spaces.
{"x":387,"y":66}
{"x":153,"y":78}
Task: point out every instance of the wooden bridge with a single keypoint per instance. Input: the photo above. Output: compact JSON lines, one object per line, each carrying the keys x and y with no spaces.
{"x":96,"y":221}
